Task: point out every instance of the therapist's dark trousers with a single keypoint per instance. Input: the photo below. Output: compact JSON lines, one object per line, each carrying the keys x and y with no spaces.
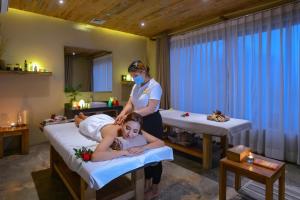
{"x":153,"y":124}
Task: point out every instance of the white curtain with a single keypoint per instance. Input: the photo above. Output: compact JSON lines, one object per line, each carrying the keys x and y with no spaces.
{"x":259,"y":79}
{"x":198,"y":70}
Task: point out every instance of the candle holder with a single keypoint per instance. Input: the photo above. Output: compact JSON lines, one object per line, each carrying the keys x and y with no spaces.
{"x":250,"y":158}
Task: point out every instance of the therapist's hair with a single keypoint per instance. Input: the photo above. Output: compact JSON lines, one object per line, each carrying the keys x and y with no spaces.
{"x":136,"y":118}
{"x":138,"y":65}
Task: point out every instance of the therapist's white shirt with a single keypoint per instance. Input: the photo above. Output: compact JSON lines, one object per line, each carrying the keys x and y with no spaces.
{"x":140,"y":95}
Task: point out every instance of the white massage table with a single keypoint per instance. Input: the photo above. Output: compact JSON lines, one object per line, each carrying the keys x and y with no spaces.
{"x":95,"y":175}
{"x":198,"y":123}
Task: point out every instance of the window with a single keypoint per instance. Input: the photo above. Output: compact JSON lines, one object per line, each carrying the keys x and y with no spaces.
{"x":102,"y":74}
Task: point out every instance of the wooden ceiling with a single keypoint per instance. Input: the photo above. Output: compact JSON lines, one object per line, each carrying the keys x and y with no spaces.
{"x":159,"y":16}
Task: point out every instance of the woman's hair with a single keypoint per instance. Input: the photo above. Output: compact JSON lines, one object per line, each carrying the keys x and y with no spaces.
{"x":138,"y":66}
{"x":136,"y":118}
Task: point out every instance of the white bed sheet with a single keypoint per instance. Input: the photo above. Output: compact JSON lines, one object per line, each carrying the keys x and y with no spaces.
{"x":198,"y":123}
{"x":65,"y":137}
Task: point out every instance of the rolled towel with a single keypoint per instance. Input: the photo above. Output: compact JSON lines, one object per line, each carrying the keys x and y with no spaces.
{"x":122,"y":144}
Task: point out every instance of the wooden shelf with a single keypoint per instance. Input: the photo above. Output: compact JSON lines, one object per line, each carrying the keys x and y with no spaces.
{"x":25,"y":73}
{"x":188,"y":150}
{"x":127,"y":82}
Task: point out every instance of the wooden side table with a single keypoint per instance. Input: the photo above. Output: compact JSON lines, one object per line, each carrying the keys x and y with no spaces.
{"x":254,"y":172}
{"x":12,"y":131}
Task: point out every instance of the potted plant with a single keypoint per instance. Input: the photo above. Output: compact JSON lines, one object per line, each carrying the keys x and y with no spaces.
{"x":72,"y":93}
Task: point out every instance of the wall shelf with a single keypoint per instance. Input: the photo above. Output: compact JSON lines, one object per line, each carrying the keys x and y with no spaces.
{"x":25,"y":73}
{"x":127,"y":82}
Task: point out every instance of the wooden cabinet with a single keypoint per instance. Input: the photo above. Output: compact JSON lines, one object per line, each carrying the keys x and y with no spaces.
{"x":13,"y":131}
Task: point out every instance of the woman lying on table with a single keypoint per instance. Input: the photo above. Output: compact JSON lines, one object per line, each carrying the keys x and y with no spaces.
{"x":103,"y":129}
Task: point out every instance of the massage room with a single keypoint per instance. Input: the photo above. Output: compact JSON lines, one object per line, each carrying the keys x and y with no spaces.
{"x":150,"y":99}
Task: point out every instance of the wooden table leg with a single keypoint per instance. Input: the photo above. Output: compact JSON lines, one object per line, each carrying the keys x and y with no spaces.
{"x":207,"y":151}
{"x":1,"y":146}
{"x":83,"y":187}
{"x":139,"y":182}
{"x":269,"y":190}
{"x":25,"y":141}
{"x":237,"y":181}
{"x":222,"y":182}
{"x":224,"y":145}
{"x":281,"y":192}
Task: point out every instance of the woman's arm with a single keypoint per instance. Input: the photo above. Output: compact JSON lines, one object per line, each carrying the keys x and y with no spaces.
{"x":102,"y":151}
{"x":153,"y":142}
{"x":149,"y":109}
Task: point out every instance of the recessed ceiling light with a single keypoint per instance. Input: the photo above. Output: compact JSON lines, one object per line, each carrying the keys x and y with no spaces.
{"x":97,"y":21}
{"x":142,"y":24}
{"x":61,"y":1}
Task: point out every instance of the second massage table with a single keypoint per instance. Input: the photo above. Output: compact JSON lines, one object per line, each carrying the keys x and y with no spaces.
{"x":198,"y":123}
{"x":79,"y":176}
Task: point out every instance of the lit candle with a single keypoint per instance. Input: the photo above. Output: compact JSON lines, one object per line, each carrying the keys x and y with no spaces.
{"x":250,"y":158}
{"x":128,"y":77}
{"x":74,"y":104}
{"x":81,"y":103}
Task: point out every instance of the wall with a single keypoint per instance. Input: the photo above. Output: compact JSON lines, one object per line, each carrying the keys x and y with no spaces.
{"x":41,"y":39}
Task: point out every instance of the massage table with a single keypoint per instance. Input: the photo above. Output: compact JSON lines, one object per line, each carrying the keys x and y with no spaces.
{"x":84,"y":179}
{"x":198,"y":123}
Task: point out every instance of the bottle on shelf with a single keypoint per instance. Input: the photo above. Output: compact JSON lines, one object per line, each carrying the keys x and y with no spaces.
{"x":25,"y":66}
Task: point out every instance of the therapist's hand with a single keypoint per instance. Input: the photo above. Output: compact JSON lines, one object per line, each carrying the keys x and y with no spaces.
{"x":120,"y":118}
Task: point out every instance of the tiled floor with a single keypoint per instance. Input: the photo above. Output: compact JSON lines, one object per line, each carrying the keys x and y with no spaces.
{"x":16,"y":180}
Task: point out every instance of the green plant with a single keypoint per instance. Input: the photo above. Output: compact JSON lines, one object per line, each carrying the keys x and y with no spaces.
{"x":73,"y":92}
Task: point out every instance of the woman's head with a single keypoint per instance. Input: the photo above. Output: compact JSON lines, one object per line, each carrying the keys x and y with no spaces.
{"x":132,"y":125}
{"x":139,"y":72}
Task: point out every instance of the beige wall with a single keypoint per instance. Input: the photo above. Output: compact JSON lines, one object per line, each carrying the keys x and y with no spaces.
{"x":40,"y":38}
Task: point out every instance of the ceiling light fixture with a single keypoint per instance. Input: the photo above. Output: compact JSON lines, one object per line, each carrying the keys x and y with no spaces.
{"x":142,"y":24}
{"x":98,"y":21}
{"x":61,"y":1}
{"x":73,"y":53}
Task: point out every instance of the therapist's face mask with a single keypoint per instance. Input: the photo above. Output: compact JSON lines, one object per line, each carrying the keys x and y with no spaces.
{"x":138,"y":79}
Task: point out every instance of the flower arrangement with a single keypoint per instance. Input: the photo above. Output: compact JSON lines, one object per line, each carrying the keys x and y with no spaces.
{"x":83,"y":153}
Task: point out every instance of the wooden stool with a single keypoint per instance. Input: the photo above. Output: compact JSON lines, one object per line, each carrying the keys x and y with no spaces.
{"x":254,"y":172}
{"x":12,"y":131}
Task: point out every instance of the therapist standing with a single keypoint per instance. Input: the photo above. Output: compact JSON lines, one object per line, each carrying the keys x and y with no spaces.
{"x":144,"y":100}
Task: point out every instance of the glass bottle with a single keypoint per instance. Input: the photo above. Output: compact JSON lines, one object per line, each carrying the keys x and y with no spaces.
{"x":25,"y":66}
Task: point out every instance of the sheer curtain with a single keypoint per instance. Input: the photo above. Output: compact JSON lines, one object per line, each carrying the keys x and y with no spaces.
{"x":260,"y":75}
{"x":198,"y":70}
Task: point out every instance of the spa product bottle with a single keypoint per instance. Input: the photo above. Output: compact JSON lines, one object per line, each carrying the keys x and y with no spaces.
{"x":25,"y":66}
{"x":19,"y":119}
